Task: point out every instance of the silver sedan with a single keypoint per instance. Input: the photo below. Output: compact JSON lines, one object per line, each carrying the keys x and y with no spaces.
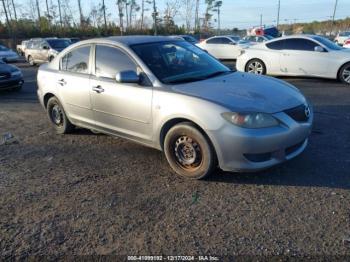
{"x":170,"y":95}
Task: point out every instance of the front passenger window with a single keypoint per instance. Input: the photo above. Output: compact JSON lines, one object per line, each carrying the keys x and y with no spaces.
{"x":77,"y":61}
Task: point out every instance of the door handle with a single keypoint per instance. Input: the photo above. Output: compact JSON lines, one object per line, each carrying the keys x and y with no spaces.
{"x":62,"y":82}
{"x":98,"y":89}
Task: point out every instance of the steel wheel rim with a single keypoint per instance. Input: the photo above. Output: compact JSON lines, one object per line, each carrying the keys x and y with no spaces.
{"x":31,"y":60}
{"x":346,"y":75}
{"x":255,"y":68}
{"x":57,"y":115}
{"x":188,"y":153}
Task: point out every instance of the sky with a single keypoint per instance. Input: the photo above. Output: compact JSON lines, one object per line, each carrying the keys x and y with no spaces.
{"x":246,"y":13}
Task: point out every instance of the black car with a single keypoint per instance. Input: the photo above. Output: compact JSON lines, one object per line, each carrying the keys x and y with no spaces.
{"x":10,"y":77}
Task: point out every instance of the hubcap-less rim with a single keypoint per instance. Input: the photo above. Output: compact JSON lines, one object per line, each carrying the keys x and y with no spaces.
{"x":255,"y":68}
{"x":346,"y":75}
{"x":57,"y":115}
{"x":188,"y":153}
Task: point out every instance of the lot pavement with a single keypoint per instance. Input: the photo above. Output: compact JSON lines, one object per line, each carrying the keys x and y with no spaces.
{"x":93,"y":194}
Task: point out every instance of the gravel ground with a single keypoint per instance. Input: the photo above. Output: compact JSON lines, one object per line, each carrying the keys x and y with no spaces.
{"x":93,"y":194}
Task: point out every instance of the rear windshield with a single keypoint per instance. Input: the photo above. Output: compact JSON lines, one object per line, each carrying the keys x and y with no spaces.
{"x":59,"y":43}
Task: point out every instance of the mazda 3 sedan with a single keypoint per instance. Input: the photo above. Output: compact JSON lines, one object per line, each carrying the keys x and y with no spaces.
{"x":171,"y":95}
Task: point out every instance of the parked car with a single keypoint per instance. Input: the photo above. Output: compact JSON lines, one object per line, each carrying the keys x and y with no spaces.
{"x":195,"y":109}
{"x":74,"y":40}
{"x":10,"y":77}
{"x":258,"y":38}
{"x":8,"y":55}
{"x":22,"y":47}
{"x":303,"y":55}
{"x":342,"y":37}
{"x":187,"y":38}
{"x":43,"y":50}
{"x":223,"y":47}
{"x":347,"y":44}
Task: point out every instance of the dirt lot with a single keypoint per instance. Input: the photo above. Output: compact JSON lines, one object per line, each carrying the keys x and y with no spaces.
{"x":94,"y":194}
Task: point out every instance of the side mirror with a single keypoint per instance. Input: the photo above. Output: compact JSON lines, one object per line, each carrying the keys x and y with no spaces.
{"x":45,"y":47}
{"x":319,"y":49}
{"x":128,"y":76}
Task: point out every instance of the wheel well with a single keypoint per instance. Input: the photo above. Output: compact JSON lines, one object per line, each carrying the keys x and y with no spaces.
{"x":341,"y":68}
{"x":169,"y":124}
{"x":245,"y":67}
{"x":47,"y":97}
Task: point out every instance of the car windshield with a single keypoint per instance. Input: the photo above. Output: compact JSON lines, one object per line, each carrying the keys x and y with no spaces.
{"x":59,"y":43}
{"x":268,"y":37}
{"x":3,"y":48}
{"x":328,"y":43}
{"x":179,"y":62}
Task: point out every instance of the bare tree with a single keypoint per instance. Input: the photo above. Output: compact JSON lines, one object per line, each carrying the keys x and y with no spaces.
{"x":60,"y":12}
{"x":196,"y":19}
{"x":38,"y":10}
{"x":134,"y":7}
{"x":104,"y":13}
{"x":143,"y":9}
{"x":120,"y":6}
{"x":14,"y":9}
{"x":188,"y":6}
{"x":48,"y":10}
{"x":217,"y":6}
{"x":80,"y":13}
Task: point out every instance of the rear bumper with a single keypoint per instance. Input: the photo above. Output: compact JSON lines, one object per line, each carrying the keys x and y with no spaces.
{"x":247,"y":150}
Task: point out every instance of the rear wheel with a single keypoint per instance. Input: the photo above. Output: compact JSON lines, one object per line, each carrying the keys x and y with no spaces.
{"x":58,"y":117}
{"x":256,"y":66}
{"x":189,"y":152}
{"x":344,"y":74}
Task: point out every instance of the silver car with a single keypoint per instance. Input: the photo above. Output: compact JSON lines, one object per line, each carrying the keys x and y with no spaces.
{"x":170,"y":95}
{"x":42,"y":50}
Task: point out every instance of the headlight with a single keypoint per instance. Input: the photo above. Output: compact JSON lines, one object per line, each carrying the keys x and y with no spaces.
{"x":251,"y":120}
{"x":16,"y":73}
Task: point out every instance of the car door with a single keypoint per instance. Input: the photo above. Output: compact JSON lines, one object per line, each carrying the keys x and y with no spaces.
{"x":230,"y":49}
{"x":214,"y":47}
{"x":120,"y":108}
{"x":300,"y":58}
{"x":73,"y":83}
{"x":272,"y":58}
{"x":43,"y":51}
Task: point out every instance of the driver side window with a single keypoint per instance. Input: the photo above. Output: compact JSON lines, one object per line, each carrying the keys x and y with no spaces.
{"x":111,"y":60}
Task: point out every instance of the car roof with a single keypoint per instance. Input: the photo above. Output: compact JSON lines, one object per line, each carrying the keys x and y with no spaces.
{"x":304,"y":36}
{"x":136,"y":39}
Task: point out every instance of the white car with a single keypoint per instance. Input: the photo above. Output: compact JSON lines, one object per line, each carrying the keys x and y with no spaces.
{"x":223,"y":47}
{"x":342,"y":37}
{"x":303,"y":55}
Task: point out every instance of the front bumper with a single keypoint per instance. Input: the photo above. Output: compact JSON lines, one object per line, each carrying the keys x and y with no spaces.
{"x":11,"y":59}
{"x":244,"y":150}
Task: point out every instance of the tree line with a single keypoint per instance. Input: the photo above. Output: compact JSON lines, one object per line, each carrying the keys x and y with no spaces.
{"x":35,"y":18}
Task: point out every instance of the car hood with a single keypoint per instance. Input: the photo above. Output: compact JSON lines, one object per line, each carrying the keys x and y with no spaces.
{"x":243,"y":92}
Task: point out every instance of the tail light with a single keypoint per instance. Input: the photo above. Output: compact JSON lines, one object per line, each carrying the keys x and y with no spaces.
{"x":347,"y":42}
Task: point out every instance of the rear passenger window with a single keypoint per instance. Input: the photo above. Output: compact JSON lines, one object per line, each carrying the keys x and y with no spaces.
{"x":111,"y":60}
{"x":216,"y":40}
{"x":300,"y":44}
{"x":276,"y":45}
{"x":77,"y":61}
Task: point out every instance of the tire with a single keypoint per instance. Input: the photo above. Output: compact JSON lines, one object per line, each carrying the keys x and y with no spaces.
{"x":344,"y":74}
{"x":189,"y":152}
{"x":31,"y":61}
{"x":256,"y":66}
{"x":58,"y":117}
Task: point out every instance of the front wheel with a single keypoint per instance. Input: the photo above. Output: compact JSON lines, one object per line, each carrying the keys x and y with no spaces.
{"x":31,"y":61}
{"x":189,"y":152}
{"x":58,"y":117}
{"x":256,"y":66}
{"x":344,"y":74}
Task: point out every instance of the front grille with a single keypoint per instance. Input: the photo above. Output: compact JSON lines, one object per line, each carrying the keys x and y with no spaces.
{"x":300,"y":113}
{"x":4,"y":76}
